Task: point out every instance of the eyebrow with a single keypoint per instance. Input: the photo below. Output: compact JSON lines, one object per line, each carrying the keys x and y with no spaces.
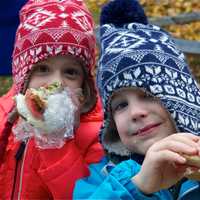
{"x":39,"y":65}
{"x":35,"y":67}
{"x":115,"y":95}
{"x":116,"y":98}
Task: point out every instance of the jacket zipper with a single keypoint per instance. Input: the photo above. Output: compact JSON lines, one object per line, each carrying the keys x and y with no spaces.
{"x":188,"y":191}
{"x":17,"y":183}
{"x":22,"y":171}
{"x":15,"y":179}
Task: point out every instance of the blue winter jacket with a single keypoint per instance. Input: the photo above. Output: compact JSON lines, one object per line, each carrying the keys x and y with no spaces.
{"x":109,"y":181}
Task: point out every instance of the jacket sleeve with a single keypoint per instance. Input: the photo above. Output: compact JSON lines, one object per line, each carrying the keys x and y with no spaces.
{"x":6,"y":104}
{"x":116,"y":185}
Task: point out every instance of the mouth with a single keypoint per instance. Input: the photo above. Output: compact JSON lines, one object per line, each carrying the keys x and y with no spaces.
{"x":147,"y":129}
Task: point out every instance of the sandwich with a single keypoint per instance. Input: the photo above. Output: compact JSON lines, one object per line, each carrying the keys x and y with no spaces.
{"x":193,"y":162}
{"x":33,"y":105}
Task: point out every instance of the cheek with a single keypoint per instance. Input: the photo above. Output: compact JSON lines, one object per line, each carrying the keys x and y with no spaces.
{"x":80,"y":82}
{"x":120,"y":125}
{"x":37,"y":82}
{"x":33,"y":83}
{"x":170,"y":127}
{"x":73,"y":83}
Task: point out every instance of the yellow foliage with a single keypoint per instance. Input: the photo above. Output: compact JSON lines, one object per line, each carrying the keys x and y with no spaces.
{"x":95,"y":5}
{"x":159,"y":8}
{"x":187,"y":31}
{"x":156,"y":8}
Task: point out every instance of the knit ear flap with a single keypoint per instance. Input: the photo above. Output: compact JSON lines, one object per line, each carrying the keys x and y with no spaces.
{"x":6,"y":132}
{"x":120,"y":12}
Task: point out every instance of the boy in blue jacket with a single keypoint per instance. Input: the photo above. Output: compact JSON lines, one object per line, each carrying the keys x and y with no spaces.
{"x":151,"y":104}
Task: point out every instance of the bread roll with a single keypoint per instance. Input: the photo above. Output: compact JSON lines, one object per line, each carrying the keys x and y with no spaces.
{"x":192,"y":161}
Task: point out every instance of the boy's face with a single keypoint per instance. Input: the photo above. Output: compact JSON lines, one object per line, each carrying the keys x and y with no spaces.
{"x":140,"y":119}
{"x":64,"y":69}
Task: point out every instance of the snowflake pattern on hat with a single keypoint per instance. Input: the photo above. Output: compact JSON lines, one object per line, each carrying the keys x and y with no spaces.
{"x":52,"y":27}
{"x":145,"y":56}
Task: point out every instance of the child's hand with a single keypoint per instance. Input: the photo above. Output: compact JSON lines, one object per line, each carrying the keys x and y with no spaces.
{"x":163,"y":165}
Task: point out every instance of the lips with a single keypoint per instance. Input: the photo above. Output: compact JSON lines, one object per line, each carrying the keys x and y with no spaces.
{"x":147,"y":129}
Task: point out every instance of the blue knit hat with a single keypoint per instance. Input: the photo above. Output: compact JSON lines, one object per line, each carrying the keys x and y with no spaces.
{"x":137,"y":54}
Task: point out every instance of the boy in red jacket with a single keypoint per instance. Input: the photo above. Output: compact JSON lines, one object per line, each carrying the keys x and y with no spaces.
{"x":54,"y":43}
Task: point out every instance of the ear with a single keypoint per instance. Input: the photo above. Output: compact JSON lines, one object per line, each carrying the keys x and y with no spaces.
{"x":82,"y":100}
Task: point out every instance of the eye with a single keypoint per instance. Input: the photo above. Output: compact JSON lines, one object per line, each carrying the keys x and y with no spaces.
{"x":71,"y":73}
{"x":118,"y":106}
{"x":41,"y":70}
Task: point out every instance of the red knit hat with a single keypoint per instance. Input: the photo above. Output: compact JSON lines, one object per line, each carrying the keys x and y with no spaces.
{"x":49,"y":28}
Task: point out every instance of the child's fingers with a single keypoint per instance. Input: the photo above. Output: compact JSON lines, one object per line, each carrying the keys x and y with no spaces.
{"x":186,"y":138}
{"x":190,"y":139}
{"x":170,"y":156}
{"x":181,"y":167}
{"x":190,"y":136}
{"x":176,"y":146}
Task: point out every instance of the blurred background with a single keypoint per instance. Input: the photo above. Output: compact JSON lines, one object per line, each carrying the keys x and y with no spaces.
{"x":180,"y":17}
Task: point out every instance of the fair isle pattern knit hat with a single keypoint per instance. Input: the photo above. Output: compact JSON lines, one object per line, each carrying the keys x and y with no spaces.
{"x":145,"y":56}
{"x":49,"y":28}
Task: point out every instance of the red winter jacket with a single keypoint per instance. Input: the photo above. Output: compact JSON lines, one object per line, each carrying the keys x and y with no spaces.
{"x":48,"y":174}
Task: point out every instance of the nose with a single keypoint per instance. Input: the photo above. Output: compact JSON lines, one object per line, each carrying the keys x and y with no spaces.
{"x":138,"y":111}
{"x":57,"y":77}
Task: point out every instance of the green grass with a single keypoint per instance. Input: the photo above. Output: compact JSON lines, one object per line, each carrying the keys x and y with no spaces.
{"x":5,"y":84}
